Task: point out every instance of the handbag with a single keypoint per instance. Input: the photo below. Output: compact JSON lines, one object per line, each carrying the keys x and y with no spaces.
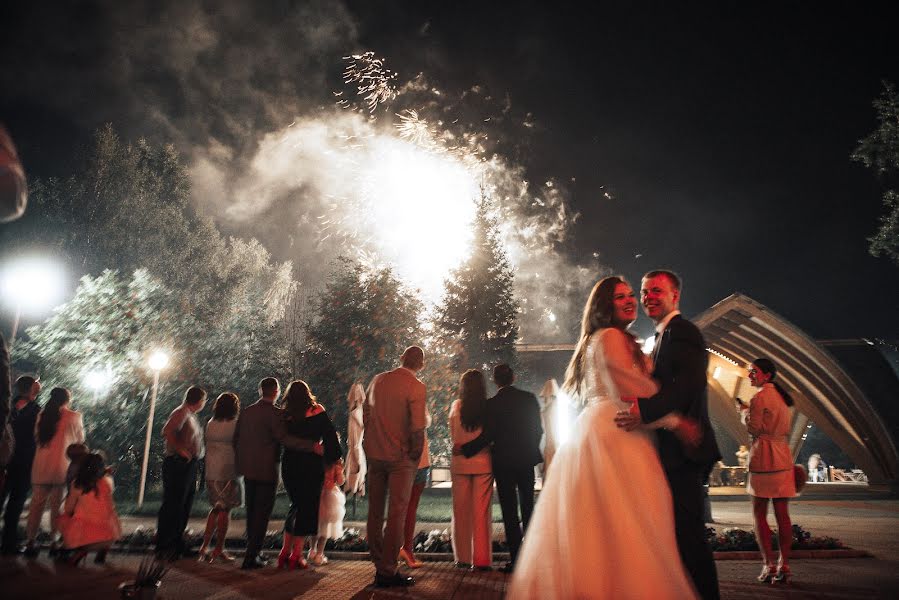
{"x":800,"y":476}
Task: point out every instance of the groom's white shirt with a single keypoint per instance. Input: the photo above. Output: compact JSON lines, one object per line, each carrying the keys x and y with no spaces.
{"x":660,"y":327}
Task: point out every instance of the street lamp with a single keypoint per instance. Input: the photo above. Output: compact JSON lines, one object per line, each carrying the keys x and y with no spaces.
{"x":158,"y":361}
{"x":32,"y":284}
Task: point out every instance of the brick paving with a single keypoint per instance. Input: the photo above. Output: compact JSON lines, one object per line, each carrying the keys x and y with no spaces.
{"x":865,"y":524}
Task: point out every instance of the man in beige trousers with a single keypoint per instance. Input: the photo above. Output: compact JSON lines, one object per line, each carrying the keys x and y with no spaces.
{"x":394,"y":417}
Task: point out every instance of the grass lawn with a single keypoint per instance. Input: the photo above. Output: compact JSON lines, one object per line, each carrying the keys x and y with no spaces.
{"x":433,"y":508}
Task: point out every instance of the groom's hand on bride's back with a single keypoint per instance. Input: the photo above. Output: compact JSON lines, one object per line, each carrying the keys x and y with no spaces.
{"x":629,"y":419}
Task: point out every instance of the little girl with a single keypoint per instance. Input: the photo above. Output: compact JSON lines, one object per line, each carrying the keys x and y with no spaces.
{"x":90,"y":521}
{"x":331,"y":511}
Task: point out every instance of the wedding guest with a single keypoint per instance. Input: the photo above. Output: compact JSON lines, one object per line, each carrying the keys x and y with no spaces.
{"x":303,"y":473}
{"x":771,"y":467}
{"x":261,"y":431}
{"x":742,"y":455}
{"x":89,"y":521}
{"x":356,"y":465}
{"x":76,"y":453}
{"x":513,"y":428}
{"x":472,"y":530}
{"x":395,"y":417}
{"x":331,"y":510}
{"x":222,"y":483}
{"x":422,"y":478}
{"x":23,"y":417}
{"x":58,"y":427}
{"x":183,"y":450}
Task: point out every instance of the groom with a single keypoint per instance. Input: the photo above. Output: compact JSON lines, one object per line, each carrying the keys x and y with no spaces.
{"x":680,"y":361}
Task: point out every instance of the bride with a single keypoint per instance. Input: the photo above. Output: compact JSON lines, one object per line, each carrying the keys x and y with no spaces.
{"x":604,"y":525}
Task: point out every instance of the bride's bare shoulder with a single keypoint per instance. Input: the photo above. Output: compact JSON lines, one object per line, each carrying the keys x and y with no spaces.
{"x":611,"y":335}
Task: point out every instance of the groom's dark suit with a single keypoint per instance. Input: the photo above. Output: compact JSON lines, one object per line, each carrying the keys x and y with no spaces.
{"x":680,"y":365}
{"x":512,"y":424}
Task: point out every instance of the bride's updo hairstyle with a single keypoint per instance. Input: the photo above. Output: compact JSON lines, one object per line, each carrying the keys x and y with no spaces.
{"x":597,"y":315}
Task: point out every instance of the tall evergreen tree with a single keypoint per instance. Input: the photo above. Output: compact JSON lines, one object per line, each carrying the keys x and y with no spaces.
{"x":478,"y":316}
{"x":362,"y":321}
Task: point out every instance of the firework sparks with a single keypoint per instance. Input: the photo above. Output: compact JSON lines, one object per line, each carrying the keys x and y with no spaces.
{"x":373,"y":81}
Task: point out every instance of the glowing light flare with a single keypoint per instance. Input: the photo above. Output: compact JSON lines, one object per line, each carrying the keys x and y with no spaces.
{"x":419,"y":207}
{"x":649,"y":344}
{"x":33,"y":284}
{"x":158,"y":360}
{"x":564,"y":419}
{"x":98,"y":379}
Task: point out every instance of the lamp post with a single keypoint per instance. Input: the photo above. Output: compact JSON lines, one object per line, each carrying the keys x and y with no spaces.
{"x":158,"y":361}
{"x":31,"y":283}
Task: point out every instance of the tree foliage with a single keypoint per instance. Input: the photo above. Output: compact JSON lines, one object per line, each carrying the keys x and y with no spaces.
{"x":363,"y":319}
{"x":879,"y":150}
{"x":157,"y":273}
{"x":478,"y":317}
{"x":111,"y":326}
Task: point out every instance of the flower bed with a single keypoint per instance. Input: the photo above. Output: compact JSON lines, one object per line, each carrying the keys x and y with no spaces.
{"x":731,"y":542}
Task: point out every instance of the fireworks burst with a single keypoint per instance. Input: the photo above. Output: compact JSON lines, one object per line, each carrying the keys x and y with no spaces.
{"x":373,"y":81}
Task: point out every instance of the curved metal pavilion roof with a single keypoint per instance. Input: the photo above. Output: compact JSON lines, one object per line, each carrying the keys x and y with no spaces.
{"x":739,"y":329}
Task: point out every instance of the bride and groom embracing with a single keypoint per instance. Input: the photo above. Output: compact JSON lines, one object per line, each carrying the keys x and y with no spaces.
{"x":621,"y":512}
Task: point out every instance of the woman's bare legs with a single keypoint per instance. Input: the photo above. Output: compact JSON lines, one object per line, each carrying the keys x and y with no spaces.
{"x":296,"y":554}
{"x":409,"y":529}
{"x":784,"y":531}
{"x":211,"y":519}
{"x":763,"y":534}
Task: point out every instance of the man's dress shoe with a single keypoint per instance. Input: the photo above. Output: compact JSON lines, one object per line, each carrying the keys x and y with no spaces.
{"x":254,"y":563}
{"x":395,"y":580}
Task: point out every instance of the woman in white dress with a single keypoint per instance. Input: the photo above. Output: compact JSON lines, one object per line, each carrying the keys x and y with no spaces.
{"x":222,"y":482}
{"x":603,"y":526}
{"x":58,"y":426}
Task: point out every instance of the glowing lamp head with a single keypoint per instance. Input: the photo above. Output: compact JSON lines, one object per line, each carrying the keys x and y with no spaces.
{"x":33,"y":283}
{"x":159,"y":360}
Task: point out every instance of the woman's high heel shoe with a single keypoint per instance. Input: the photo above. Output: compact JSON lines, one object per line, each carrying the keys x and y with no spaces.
{"x":223,"y":556}
{"x":409,"y":559}
{"x":77,"y":557}
{"x":283,"y":559}
{"x":783,"y":575}
{"x":767,"y":574}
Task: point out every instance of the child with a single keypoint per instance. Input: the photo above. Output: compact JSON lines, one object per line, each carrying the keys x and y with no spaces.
{"x":76,"y":454}
{"x":331,"y":511}
{"x":90,"y":521}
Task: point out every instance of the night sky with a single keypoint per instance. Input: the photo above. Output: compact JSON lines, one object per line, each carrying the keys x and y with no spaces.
{"x":722,"y":134}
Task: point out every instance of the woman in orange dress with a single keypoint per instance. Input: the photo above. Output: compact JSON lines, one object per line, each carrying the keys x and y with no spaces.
{"x":770,"y":467}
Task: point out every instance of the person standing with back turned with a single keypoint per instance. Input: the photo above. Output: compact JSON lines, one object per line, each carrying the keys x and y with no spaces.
{"x":395,"y":418}
{"x":513,"y":426}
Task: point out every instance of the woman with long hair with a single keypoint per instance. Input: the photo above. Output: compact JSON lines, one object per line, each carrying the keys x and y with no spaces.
{"x":771,"y":467}
{"x":472,"y":477}
{"x":222,"y":482}
{"x":58,"y":426}
{"x":303,"y":473}
{"x":606,"y":494}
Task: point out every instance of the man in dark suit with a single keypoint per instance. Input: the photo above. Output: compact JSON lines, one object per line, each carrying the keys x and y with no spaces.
{"x":512,"y":425}
{"x":681,"y":361}
{"x":261,"y":431}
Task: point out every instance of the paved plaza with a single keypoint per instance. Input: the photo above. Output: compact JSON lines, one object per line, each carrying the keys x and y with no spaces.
{"x":862,"y":523}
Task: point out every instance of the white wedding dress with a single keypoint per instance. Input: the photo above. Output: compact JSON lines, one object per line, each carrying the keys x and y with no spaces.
{"x":603,"y":526}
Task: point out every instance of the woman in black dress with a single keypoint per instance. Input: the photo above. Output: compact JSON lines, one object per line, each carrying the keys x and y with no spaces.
{"x":303,"y":472}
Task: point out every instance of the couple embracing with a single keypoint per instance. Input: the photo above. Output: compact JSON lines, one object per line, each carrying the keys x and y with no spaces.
{"x":621,"y":513}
